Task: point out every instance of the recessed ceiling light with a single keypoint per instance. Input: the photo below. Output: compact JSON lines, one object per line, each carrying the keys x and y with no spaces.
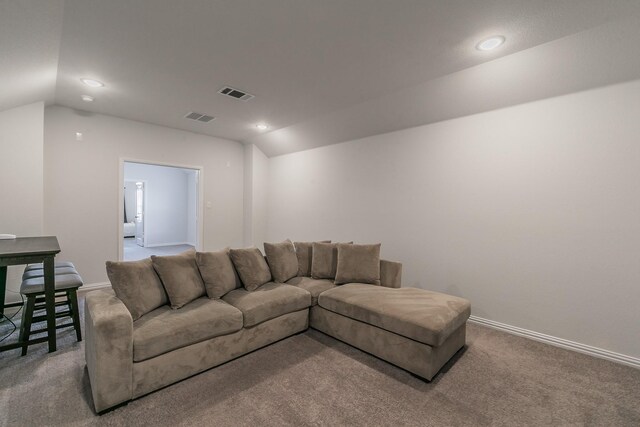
{"x":87,"y":98}
{"x":92,"y":82}
{"x":490,"y":43}
{"x":262,"y":126}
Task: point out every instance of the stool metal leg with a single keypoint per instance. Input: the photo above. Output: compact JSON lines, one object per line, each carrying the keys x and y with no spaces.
{"x":75,"y":312}
{"x":25,"y":327}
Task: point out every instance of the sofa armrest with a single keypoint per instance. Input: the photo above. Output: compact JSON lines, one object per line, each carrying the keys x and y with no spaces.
{"x":390,"y":273}
{"x":108,"y":349}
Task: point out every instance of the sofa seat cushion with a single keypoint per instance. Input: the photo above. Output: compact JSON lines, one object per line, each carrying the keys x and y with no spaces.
{"x":424,"y":316}
{"x":164,"y":329}
{"x":314,"y":286}
{"x":268,"y":302}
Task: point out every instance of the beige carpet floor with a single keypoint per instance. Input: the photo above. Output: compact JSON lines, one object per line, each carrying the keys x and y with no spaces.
{"x":311,"y":379}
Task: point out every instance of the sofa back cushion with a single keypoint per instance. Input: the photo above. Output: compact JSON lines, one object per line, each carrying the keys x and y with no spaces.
{"x":180,"y":277}
{"x":282,"y":260}
{"x":251,"y":267}
{"x":358,"y":264}
{"x":137,"y":285}
{"x":304,"y":253}
{"x":324,"y":260}
{"x":218,"y":273}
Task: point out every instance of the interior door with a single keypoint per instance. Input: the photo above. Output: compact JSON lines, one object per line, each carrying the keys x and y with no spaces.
{"x":140,"y":213}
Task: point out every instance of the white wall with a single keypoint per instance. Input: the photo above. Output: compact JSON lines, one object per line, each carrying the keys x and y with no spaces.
{"x":166,"y":211}
{"x":21,"y":179}
{"x":82,"y":182}
{"x":256,"y":177}
{"x":531,"y":212}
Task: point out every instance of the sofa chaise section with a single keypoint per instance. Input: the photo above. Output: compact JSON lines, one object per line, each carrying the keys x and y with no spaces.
{"x":415,"y":329}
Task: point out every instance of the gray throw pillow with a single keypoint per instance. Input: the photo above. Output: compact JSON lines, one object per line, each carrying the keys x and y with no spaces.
{"x":251,"y":267}
{"x":282,"y":260}
{"x":358,"y":264}
{"x":180,"y":277}
{"x":324,"y":260}
{"x":304,"y":251}
{"x":218,"y":272}
{"x":137,"y":285}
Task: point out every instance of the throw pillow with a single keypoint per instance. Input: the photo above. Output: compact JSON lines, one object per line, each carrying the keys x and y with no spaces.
{"x":251,"y":267}
{"x":137,"y":285}
{"x":282,"y":260}
{"x":358,"y":264}
{"x":180,"y":277}
{"x":324,"y":260}
{"x":304,"y":251}
{"x":218,"y":272}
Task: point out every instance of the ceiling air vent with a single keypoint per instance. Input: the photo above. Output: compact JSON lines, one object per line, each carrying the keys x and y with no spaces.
{"x":199,"y":117}
{"x":235,"y":93}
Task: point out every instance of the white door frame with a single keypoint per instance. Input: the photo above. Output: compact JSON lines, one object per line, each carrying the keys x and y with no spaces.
{"x":199,"y":209}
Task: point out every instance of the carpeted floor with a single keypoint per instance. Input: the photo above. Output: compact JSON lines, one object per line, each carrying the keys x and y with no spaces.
{"x":312,"y":379}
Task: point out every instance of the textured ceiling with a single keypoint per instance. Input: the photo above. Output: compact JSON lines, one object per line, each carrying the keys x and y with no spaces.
{"x":322,"y":71}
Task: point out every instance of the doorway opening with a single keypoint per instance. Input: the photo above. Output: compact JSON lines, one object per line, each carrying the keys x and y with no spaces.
{"x":160,"y":209}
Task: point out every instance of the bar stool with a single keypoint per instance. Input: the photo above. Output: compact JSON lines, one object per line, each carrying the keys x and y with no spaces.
{"x":66,"y":285}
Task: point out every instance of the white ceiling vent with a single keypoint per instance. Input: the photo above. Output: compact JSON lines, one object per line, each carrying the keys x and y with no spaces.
{"x":235,"y":93}
{"x":199,"y":117}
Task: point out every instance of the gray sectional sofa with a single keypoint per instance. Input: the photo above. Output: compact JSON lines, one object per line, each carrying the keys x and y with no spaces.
{"x":133,"y":349}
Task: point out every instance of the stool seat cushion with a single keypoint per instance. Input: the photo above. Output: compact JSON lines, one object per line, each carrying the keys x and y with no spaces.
{"x":165,"y":329}
{"x":29,"y":274}
{"x":56,"y":264}
{"x":35,"y":285}
{"x":424,"y":316}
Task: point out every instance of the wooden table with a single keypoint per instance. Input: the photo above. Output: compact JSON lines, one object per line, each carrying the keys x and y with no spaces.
{"x":30,"y":250}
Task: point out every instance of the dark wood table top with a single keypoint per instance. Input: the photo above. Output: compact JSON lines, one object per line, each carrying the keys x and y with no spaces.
{"x":26,"y":246}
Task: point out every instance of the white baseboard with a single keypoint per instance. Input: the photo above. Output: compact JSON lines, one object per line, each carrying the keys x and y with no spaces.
{"x":157,"y":245}
{"x":559,"y":342}
{"x":94,"y":287}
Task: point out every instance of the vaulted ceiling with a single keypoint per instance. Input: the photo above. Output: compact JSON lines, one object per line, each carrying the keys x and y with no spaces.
{"x":322,"y":71}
